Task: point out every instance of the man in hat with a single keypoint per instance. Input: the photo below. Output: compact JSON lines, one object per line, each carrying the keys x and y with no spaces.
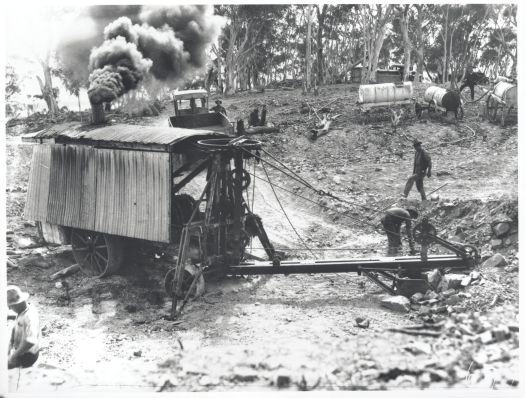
{"x":392,"y":221}
{"x":422,"y":167}
{"x":25,"y":336}
{"x":219,"y":108}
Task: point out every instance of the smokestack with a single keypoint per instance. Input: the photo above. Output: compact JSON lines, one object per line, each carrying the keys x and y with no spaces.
{"x":98,"y":113}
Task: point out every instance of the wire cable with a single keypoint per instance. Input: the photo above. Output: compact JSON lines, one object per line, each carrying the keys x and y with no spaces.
{"x":286,"y":215}
{"x":375,"y":227}
{"x":318,"y":191}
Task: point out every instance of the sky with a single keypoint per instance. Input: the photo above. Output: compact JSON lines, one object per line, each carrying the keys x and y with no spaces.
{"x":30,"y":31}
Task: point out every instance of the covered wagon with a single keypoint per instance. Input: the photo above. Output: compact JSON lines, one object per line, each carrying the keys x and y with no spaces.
{"x":501,"y":101}
{"x":387,"y":100}
{"x":386,"y":94}
{"x":438,"y":99}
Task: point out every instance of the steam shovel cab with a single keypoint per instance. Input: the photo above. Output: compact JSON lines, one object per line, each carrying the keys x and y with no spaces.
{"x":192,"y":112}
{"x":107,"y":189}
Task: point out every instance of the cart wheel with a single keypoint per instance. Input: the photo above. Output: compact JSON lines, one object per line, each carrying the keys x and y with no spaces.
{"x":460,"y":113}
{"x":503,"y":112}
{"x":419,"y":110}
{"x":97,"y":254}
{"x":492,"y":109}
{"x":187,"y":278}
{"x":246,"y":179}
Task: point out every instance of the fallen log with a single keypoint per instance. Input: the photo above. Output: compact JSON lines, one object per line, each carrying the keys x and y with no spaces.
{"x":65,"y":272}
{"x":261,"y":130}
{"x":323,"y":127}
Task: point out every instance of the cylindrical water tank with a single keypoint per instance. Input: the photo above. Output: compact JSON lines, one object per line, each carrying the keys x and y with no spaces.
{"x":450,"y":100}
{"x":507,"y":92}
{"x":435,"y":93}
{"x":386,"y":92}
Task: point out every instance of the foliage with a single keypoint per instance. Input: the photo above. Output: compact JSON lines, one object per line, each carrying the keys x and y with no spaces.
{"x":261,"y":44}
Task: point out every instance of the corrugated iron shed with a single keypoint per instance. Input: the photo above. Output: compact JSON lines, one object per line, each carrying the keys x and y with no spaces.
{"x":124,"y":136}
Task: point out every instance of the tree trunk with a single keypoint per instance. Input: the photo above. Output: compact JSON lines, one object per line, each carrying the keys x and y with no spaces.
{"x":230,"y":84}
{"x":380,"y":31}
{"x":79,"y":108}
{"x":219,"y":73}
{"x":451,"y":68}
{"x":320,"y":21}
{"x":445,"y":61}
{"x":307,"y":84}
{"x":407,"y":43}
{"x":374,"y":34}
{"x":46,"y":88}
{"x":420,"y":48}
{"x":366,"y":48}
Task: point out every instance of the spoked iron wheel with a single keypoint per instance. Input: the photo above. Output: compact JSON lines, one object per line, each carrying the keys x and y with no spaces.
{"x":492,"y":109}
{"x":190,"y":271}
{"x":504,"y":112}
{"x":97,"y":254}
{"x":460,"y":113}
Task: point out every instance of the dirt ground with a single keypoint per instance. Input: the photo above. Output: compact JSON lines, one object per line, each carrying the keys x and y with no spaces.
{"x":295,"y":332}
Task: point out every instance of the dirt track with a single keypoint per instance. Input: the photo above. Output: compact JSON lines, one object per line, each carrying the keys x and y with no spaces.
{"x":245,"y":332}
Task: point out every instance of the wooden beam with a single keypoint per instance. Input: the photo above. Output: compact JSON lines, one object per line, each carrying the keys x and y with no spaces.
{"x":65,"y":272}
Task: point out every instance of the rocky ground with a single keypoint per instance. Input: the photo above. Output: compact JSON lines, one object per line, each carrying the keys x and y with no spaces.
{"x":325,"y":332}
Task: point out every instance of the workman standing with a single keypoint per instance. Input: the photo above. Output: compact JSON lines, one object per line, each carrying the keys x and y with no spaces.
{"x":219,"y":108}
{"x":422,"y":167}
{"x":392,"y":221}
{"x":24,"y":343}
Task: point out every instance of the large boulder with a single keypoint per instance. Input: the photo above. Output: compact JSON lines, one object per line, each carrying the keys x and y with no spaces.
{"x":396,"y":303}
{"x":497,"y":260}
{"x":501,"y":229}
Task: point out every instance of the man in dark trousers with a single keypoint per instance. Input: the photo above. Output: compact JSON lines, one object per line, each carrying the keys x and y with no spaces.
{"x":422,"y":167}
{"x":392,"y":221}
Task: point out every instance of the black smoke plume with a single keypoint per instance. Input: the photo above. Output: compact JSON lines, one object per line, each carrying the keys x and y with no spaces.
{"x":195,"y":25}
{"x":167,"y":42}
{"x":85,"y":32}
{"x":118,"y":67}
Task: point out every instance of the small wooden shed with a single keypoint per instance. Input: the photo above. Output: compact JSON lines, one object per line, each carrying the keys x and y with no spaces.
{"x":115,"y":179}
{"x":382,"y":75}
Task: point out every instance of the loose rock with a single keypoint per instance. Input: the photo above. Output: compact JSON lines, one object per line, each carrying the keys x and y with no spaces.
{"x":451,"y":281}
{"x":466,"y":281}
{"x":433,"y":278}
{"x":501,"y":229}
{"x":244,"y":375}
{"x":496,"y":243}
{"x":396,"y":303}
{"x":362,"y":323}
{"x":417,"y":297}
{"x":497,"y":260}
{"x":283,"y":381}
{"x":453,"y":300}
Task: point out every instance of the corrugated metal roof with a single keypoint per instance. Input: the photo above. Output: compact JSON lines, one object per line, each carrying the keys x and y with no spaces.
{"x":122,"y":133}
